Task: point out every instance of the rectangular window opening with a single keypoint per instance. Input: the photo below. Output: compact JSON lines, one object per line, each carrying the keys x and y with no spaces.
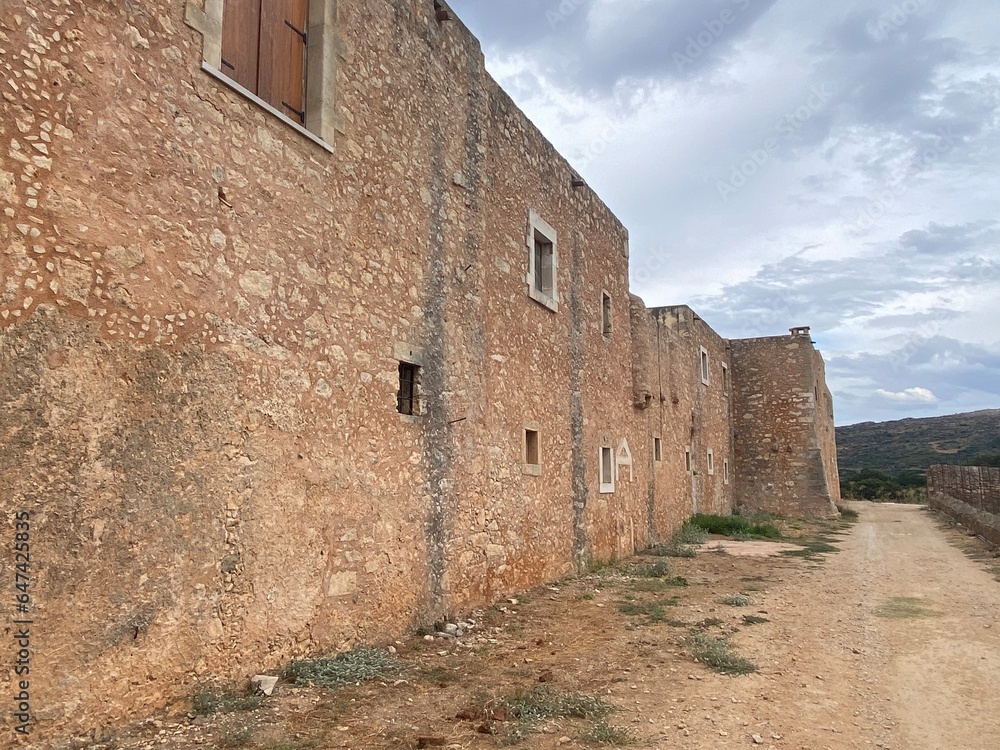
{"x":544,"y":250}
{"x":407,"y":398}
{"x":704,"y":365}
{"x":531,"y":452}
{"x":725,"y":471}
{"x":725,"y":380}
{"x":687,"y":461}
{"x":657,"y":449}
{"x":607,"y":469}
{"x":605,"y":313}
{"x":711,"y":462}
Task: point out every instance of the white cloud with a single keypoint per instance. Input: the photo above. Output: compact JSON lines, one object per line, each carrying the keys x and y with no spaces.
{"x":909,"y":396}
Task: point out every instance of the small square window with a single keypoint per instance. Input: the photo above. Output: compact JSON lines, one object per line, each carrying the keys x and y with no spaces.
{"x":607,"y":469}
{"x":605,"y":313}
{"x":688,"y":465}
{"x":711,"y":462}
{"x":704,"y":365}
{"x":408,"y":395}
{"x":657,"y":449}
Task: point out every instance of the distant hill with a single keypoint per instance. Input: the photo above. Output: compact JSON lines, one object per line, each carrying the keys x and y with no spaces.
{"x":915,"y":444}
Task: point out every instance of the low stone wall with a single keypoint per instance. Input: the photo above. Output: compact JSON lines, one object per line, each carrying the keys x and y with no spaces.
{"x":969,"y":494}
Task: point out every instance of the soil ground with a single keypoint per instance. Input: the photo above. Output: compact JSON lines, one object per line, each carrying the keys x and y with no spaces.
{"x":889,"y":638}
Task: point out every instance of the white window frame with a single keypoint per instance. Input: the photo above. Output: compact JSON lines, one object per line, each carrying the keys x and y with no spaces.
{"x":710,"y":458}
{"x":703,"y":363}
{"x":541,"y":229}
{"x":606,"y":472}
{"x":322,"y":119}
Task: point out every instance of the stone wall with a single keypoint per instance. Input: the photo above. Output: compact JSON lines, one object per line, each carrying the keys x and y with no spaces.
{"x":202,"y":319}
{"x":970,"y":495}
{"x":786,"y":453}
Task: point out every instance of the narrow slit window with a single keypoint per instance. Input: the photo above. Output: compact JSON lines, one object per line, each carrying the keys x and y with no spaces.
{"x":605,"y":313}
{"x":687,"y":461}
{"x":407,"y":398}
{"x":657,"y":449}
{"x":711,"y":462}
{"x":725,"y":380}
{"x":607,"y":469}
{"x":544,"y":250}
{"x":704,"y":365}
{"x":725,"y":471}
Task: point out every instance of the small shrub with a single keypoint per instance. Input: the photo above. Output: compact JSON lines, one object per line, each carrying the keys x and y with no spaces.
{"x":602,"y":733}
{"x":736,"y":600}
{"x":848,"y":514}
{"x":529,"y":707}
{"x":236,"y":738}
{"x":690,"y":533}
{"x":736,"y":527}
{"x":344,"y":669}
{"x":719,"y":655}
{"x":754,"y":620}
{"x":656,"y":570}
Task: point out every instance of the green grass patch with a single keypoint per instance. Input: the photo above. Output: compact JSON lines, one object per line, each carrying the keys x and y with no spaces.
{"x":718,"y":654}
{"x":526,"y":709}
{"x":812,"y":548}
{"x":904,"y":608}
{"x":736,"y":527}
{"x":236,"y":738}
{"x":224,"y":702}
{"x":348,"y":668}
{"x":652,"y":611}
{"x":602,"y":733}
{"x":659,"y":584}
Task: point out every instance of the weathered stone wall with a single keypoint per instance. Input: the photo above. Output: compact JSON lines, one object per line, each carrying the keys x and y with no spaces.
{"x":200,"y":326}
{"x":785,"y":446}
{"x":202,"y":315}
{"x":691,"y":417}
{"x":970,"y":495}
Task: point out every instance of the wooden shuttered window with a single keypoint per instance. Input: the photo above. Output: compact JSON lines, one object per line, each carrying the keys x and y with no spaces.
{"x":264,"y":50}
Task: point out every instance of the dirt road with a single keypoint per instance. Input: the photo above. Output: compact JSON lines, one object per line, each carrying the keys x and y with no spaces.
{"x":892,"y":641}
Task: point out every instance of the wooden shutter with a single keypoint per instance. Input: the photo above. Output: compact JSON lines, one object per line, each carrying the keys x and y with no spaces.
{"x":281,"y":80}
{"x":241,"y":41}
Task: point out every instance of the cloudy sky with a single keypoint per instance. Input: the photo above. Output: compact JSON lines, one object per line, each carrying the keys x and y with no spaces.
{"x":790,"y":162}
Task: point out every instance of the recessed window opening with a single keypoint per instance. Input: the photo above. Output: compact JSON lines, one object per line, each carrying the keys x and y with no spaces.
{"x":605,"y":313}
{"x":725,"y":471}
{"x":407,"y":398}
{"x":725,"y":380}
{"x":531,"y":452}
{"x":688,"y":467}
{"x":657,"y":449}
{"x":711,"y":462}
{"x":704,"y":365}
{"x":544,"y":251}
{"x":607,"y":469}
